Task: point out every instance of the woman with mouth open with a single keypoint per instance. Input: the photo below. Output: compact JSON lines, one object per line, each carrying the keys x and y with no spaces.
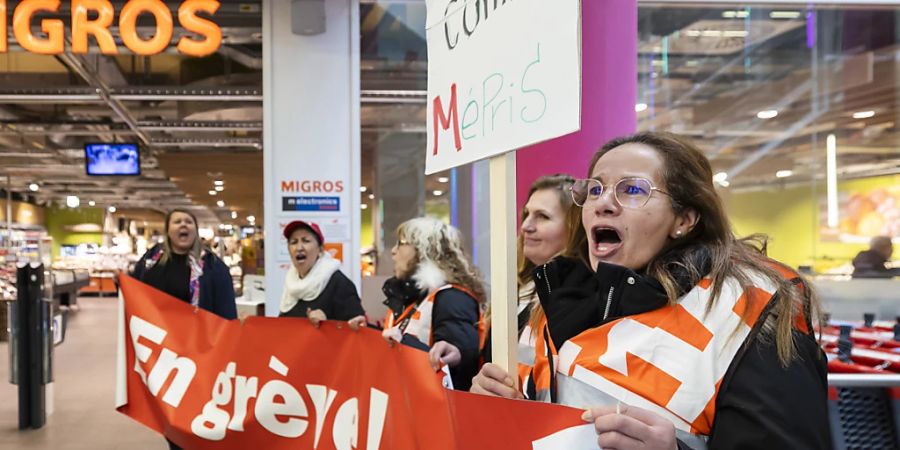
{"x":314,"y":287}
{"x":434,"y":299}
{"x":683,"y":336}
{"x":184,"y":269}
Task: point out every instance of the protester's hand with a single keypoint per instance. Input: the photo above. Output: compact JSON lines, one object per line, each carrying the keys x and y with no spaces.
{"x":631,"y":428}
{"x":492,"y":380}
{"x":392,"y":335}
{"x":316,"y":316}
{"x":357,"y":322}
{"x":443,"y":352}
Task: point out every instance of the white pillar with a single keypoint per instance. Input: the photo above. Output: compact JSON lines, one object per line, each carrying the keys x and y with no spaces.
{"x":311,"y":134}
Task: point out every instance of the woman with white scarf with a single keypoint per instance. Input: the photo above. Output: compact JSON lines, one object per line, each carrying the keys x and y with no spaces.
{"x":314,"y":287}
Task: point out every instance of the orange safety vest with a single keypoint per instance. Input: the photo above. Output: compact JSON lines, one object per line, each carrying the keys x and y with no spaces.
{"x":419,"y":317}
{"x":670,"y":361}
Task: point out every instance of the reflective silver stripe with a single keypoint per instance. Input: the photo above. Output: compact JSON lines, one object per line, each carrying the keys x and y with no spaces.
{"x":578,"y":394}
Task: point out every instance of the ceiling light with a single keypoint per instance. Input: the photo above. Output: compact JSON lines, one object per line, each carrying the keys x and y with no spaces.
{"x":863,"y":114}
{"x":111,"y":209}
{"x":784,"y":173}
{"x":72,"y":201}
{"x":234,"y":214}
{"x":251,"y":219}
{"x":784,"y":14}
{"x":33,"y":187}
{"x":220,"y":204}
{"x":831,"y":180}
{"x":212,"y":192}
{"x":767,"y":114}
{"x":363,"y":206}
{"x":371,"y":196}
{"x":640,"y":107}
{"x":220,"y":188}
{"x":720,"y":177}
{"x":724,"y":183}
{"x":92,"y":203}
{"x":363,"y":189}
{"x":219,"y":182}
{"x":734,"y":14}
{"x":438,"y":193}
{"x":443,"y":180}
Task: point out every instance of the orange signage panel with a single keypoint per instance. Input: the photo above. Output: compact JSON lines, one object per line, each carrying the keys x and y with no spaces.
{"x":51,"y":41}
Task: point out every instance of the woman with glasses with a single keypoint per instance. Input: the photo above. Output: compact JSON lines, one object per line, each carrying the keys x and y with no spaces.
{"x":434,"y":299}
{"x":686,"y":336}
{"x":550,"y":226}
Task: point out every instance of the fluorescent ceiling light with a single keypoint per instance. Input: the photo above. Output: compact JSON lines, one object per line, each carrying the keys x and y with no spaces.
{"x":363,"y":206}
{"x":640,"y":107}
{"x":371,"y":196}
{"x":92,"y":203}
{"x":111,"y":209}
{"x":784,"y":14}
{"x":863,"y":114}
{"x":220,"y":203}
{"x":443,"y":180}
{"x":767,"y":114}
{"x":734,"y":14}
{"x":720,"y":177}
{"x":251,"y":219}
{"x":784,"y":173}
{"x":218,"y":182}
{"x":33,"y":187}
{"x":219,"y":188}
{"x":831,"y":180}
{"x":438,"y":193}
{"x":363,"y":189}
{"x":72,"y":201}
{"x":212,"y":192}
{"x":234,"y":214}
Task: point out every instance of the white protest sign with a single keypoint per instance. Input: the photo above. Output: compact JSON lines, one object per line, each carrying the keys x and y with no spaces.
{"x":502,"y":75}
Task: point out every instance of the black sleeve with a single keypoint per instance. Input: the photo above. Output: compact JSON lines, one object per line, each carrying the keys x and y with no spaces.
{"x":455,"y":319}
{"x":347,"y":304}
{"x":763,"y":405}
{"x":223,"y":291}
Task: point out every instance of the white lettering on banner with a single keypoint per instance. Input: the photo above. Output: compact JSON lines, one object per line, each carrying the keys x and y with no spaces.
{"x":279,"y":407}
{"x":167,"y":362}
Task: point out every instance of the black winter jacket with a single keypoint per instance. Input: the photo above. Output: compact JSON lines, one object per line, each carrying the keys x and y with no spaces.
{"x":216,"y":289}
{"x":454,"y":318}
{"x":338,"y":300}
{"x":760,"y":405}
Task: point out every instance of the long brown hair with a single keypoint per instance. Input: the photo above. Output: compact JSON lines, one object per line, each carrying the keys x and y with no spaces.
{"x":576,"y":239}
{"x":688,"y":178}
{"x":167,"y":246}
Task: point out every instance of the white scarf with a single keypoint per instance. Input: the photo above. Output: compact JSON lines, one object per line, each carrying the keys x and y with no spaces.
{"x":309,"y":287}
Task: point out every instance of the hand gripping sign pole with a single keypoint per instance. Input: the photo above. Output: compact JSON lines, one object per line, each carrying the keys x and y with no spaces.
{"x":501,"y":76}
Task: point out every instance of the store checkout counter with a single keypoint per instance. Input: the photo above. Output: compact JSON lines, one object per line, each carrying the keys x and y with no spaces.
{"x":848,"y":299}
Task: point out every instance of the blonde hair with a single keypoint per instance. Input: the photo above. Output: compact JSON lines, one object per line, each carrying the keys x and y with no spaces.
{"x":441,"y":244}
{"x":196,"y":249}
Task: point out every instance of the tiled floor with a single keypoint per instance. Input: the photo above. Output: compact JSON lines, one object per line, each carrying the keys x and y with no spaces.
{"x":84,"y":417}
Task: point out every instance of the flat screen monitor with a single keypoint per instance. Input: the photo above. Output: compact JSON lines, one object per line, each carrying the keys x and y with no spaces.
{"x":112,"y":159}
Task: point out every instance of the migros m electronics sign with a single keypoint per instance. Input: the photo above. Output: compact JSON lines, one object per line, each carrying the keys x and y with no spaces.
{"x":93,"y":18}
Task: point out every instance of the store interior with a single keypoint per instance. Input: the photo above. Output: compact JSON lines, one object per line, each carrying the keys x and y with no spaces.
{"x":797,"y":108}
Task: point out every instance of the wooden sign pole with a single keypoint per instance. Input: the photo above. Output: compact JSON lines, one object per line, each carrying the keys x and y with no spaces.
{"x":504,"y":292}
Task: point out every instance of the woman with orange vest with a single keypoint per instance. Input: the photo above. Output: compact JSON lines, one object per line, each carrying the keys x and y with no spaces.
{"x":550,"y":225}
{"x":434,"y":299}
{"x":683,"y":336}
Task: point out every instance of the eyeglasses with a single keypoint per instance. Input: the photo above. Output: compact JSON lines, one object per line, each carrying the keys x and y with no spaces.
{"x":631,"y":192}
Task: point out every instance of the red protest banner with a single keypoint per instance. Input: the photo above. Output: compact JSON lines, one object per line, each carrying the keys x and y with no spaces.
{"x":205,"y":382}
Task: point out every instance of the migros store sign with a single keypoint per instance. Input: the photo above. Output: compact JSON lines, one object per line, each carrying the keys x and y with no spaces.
{"x":92,"y":18}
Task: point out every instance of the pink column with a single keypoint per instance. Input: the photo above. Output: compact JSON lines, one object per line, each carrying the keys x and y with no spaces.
{"x":608,"y":87}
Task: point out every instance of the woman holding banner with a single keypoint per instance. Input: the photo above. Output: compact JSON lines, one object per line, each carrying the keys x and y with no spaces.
{"x":434,"y":299}
{"x":184,"y":269}
{"x":314,"y":287}
{"x":550,"y":225}
{"x":688,"y":336}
